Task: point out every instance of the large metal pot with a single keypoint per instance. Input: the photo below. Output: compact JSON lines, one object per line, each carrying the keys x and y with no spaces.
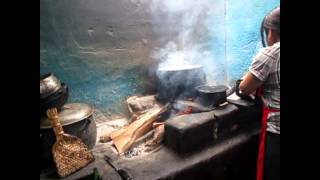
{"x":179,"y":82}
{"x":76,"y":119}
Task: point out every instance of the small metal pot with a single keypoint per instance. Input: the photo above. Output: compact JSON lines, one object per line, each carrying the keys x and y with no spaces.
{"x":57,"y":100}
{"x":76,"y":119}
{"x":211,"y":96}
{"x":49,"y":84}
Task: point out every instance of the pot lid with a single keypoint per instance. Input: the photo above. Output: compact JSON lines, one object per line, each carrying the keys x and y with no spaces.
{"x":180,"y":67}
{"x":70,"y":113}
{"x":212,"y":89}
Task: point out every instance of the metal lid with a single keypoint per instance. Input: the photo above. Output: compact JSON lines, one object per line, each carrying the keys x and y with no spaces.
{"x":49,"y":84}
{"x":211,"y":89}
{"x":180,"y":67}
{"x":69,"y":114}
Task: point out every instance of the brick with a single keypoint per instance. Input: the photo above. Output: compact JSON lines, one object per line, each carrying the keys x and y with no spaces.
{"x":191,"y":132}
{"x":226,"y":121}
{"x":235,"y":118}
{"x":249,"y":111}
{"x":187,"y":133}
{"x":241,"y":102}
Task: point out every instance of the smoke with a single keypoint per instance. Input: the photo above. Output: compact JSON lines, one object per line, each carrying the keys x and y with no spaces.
{"x":186,"y":28}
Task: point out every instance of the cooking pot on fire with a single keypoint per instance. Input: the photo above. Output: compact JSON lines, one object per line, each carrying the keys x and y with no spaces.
{"x":76,"y":119}
{"x":211,"y":96}
{"x":179,"y":82}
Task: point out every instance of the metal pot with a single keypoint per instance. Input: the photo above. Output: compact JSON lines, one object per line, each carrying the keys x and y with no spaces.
{"x":179,"y":83}
{"x":212,"y":96}
{"x":49,"y":84}
{"x":57,"y":100}
{"x":77,"y":120}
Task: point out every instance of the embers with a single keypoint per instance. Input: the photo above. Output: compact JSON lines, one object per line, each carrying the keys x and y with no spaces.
{"x":188,"y":110}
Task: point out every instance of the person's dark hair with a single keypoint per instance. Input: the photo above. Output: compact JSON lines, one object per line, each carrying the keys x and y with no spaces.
{"x":270,"y":21}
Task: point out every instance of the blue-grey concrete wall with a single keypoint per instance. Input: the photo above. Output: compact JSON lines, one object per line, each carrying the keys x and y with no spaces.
{"x":243,"y":21}
{"x":102,"y":48}
{"x":99,"y":48}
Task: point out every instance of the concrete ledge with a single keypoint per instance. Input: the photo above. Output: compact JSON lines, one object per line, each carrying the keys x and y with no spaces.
{"x":234,"y":158}
{"x":191,"y":151}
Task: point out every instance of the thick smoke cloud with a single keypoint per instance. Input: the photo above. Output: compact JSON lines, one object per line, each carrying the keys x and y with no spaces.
{"x":191,"y":26}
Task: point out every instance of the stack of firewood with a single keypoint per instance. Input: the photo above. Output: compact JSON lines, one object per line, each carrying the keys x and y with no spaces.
{"x":145,"y":113}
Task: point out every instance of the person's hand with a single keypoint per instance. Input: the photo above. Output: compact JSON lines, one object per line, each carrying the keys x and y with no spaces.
{"x":239,"y":93}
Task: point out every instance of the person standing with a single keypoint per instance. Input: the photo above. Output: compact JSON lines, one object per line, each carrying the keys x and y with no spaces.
{"x":263,"y":78}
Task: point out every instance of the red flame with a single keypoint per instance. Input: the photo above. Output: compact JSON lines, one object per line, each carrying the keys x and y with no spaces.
{"x":188,"y":110}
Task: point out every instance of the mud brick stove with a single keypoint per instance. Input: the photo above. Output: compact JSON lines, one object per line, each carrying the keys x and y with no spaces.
{"x":219,"y":144}
{"x":192,"y":132}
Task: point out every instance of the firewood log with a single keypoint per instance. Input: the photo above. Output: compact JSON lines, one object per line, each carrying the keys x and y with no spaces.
{"x":124,"y":138}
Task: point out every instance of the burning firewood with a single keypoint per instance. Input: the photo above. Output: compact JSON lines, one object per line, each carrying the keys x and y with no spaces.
{"x":195,"y":106}
{"x":109,"y":136}
{"x":125,"y":137}
{"x":157,"y":136}
{"x":156,"y":124}
{"x":105,"y":138}
{"x":116,"y":133}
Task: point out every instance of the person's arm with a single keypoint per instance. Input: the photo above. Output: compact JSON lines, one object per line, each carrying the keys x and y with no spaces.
{"x":249,"y":84}
{"x":257,"y":74}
